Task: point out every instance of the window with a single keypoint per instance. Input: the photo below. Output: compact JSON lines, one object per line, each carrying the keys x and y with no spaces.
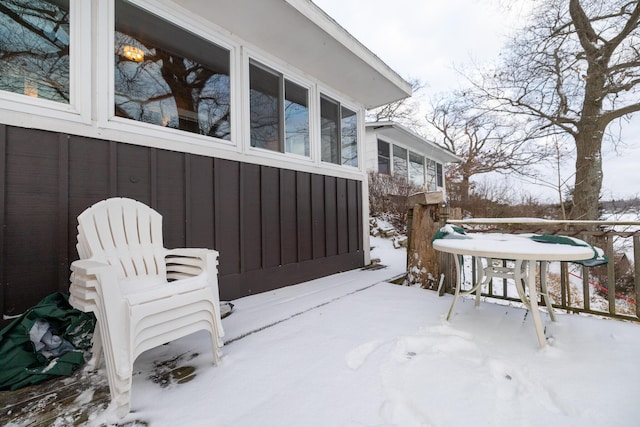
{"x":349,"y":137}
{"x":384,"y":160}
{"x":399,"y":162}
{"x":296,"y":119}
{"x":279,"y":111}
{"x":431,"y":175}
{"x":439,"y":175}
{"x":416,"y":169}
{"x":34,"y":41}
{"x":169,"y":77}
{"x":339,"y":133}
{"x":264,"y":109}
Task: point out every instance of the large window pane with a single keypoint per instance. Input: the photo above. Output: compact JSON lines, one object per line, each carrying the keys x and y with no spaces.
{"x":349,"y":134}
{"x":339,"y":133}
{"x":264,"y":108}
{"x":384,"y":159}
{"x":330,"y":120}
{"x":416,"y":169}
{"x":167,"y":76}
{"x":399,"y":162}
{"x":296,"y":119}
{"x":34,"y":48}
{"x":431,"y":175}
{"x":440,"y":175}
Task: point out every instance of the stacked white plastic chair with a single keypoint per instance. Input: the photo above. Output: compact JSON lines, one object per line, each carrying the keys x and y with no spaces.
{"x":142,"y":294}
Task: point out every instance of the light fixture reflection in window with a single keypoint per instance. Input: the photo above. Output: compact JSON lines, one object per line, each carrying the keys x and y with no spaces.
{"x":133,"y":53}
{"x":30,"y":88}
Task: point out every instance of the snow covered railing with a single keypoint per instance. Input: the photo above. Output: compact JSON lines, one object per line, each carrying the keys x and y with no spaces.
{"x":612,"y":290}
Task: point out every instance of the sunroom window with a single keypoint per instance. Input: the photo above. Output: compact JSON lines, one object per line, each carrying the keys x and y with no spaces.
{"x":384,"y":162}
{"x":432,"y":175}
{"x":167,"y":76}
{"x":400,"y":162}
{"x":34,"y":48}
{"x":439,"y":175}
{"x":416,"y":169}
{"x":279,"y":112}
{"x":339,"y":133}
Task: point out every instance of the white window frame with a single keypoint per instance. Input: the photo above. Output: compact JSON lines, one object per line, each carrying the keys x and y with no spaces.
{"x":389,"y":159}
{"x":424,"y":168}
{"x":360,"y":114}
{"x":106,"y":92}
{"x":79,"y":107}
{"x":270,"y":66}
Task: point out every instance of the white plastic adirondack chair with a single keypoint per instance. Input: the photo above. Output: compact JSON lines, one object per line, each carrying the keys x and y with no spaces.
{"x":142,"y":294}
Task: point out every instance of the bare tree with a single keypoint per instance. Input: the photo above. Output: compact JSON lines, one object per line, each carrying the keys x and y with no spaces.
{"x":572,"y":72}
{"x":487,"y":141}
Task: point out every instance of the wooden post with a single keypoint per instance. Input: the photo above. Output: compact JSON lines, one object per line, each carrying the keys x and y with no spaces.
{"x":423,"y":222}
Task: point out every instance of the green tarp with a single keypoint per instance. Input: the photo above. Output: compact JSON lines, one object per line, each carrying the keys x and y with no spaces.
{"x":24,"y":362}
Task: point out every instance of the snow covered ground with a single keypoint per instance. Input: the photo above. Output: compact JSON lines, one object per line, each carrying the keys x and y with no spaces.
{"x":352,"y":350}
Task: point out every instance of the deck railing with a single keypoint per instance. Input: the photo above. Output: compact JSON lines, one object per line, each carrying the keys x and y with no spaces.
{"x":612,"y":290}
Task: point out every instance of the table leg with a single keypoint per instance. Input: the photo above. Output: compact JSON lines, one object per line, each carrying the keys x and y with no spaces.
{"x":520,"y":279}
{"x":544,"y":292}
{"x":480,"y":278}
{"x":456,"y":295}
{"x":533,"y":301}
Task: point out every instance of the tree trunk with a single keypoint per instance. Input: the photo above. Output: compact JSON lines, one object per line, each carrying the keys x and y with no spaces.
{"x":588,"y":181}
{"x":464,"y":192}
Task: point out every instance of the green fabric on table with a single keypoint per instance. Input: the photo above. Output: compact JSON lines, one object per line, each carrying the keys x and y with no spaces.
{"x":598,"y":258}
{"x":450,"y":232}
{"x":22,"y":364}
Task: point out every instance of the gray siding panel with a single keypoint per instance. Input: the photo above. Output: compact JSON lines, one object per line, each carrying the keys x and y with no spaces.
{"x":305,"y":220}
{"x":288,"y":215}
{"x":227,"y":215}
{"x":270,"y":211}
{"x":273,"y":227}
{"x":251,"y":226}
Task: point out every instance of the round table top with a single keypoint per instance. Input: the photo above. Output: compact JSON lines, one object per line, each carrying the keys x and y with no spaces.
{"x":512,"y":246}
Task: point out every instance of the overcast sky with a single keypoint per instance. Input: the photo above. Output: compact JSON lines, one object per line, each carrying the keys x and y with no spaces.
{"x":426,"y":39}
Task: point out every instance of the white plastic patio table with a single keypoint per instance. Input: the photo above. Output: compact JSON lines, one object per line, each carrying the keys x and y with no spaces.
{"x":523,"y":251}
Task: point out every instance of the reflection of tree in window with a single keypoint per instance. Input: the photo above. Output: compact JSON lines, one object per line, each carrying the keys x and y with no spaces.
{"x":349,"y":133}
{"x":179,"y":80}
{"x":416,"y":169}
{"x":339,"y":132}
{"x":264,"y":108}
{"x":296,"y":119}
{"x":400,"y":162}
{"x":384,"y":165}
{"x":431,"y":175}
{"x":34,"y":48}
{"x":329,"y":122}
{"x":278,"y":112}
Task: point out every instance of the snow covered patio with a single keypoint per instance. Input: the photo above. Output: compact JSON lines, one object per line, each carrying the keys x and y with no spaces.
{"x":354,"y":350}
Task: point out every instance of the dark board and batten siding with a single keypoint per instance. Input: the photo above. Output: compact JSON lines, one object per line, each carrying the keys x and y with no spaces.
{"x":273,"y":227}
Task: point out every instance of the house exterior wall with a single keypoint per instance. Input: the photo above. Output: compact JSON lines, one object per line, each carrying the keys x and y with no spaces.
{"x":273,"y":226}
{"x":276,"y":218}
